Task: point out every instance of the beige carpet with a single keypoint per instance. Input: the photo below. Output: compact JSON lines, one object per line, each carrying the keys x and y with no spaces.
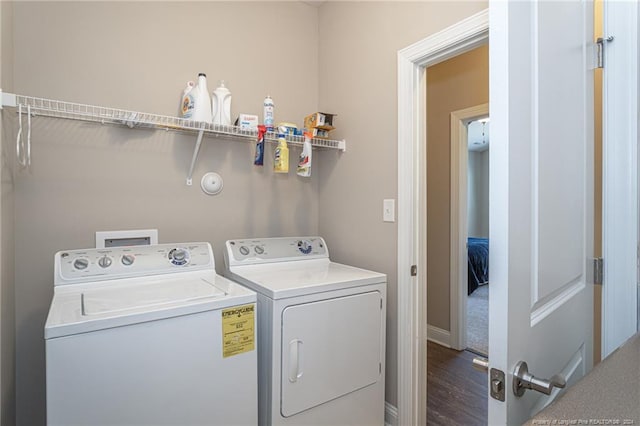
{"x":478,"y":320}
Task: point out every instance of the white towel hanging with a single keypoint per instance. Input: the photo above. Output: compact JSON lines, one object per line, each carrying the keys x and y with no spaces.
{"x":23,"y":150}
{"x":19,"y":141}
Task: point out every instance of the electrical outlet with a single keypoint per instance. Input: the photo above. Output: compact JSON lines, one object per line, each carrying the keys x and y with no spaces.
{"x":389,"y":210}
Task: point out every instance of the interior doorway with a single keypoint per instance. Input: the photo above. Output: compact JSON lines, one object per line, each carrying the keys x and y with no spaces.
{"x":457,"y":242}
{"x":477,"y":238}
{"x":469,"y":233}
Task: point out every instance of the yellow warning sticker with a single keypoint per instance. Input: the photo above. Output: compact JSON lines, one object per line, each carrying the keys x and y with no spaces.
{"x":238,"y":334}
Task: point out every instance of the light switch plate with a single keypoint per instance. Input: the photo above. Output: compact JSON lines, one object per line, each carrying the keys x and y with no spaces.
{"x":389,"y":210}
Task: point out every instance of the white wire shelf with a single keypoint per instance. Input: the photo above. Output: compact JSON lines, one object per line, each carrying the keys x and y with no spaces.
{"x":103,"y":115}
{"x":134,"y":119}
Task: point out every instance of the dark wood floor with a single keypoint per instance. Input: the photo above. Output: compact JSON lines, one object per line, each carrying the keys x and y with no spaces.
{"x":456,"y":392}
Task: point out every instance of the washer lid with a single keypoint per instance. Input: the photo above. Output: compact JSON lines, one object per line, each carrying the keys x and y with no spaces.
{"x":290,"y":279}
{"x":110,"y":300}
{"x":90,"y":307}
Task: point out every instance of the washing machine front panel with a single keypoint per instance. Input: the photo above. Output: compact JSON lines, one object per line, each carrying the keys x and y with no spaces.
{"x":330,"y":348}
{"x":167,"y":372}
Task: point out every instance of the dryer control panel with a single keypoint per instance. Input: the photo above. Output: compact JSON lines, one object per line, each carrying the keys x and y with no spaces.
{"x":267,"y":250}
{"x":78,"y":266}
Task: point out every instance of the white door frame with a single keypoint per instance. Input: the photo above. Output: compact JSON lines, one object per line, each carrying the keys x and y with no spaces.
{"x":458,"y":219}
{"x":620,"y":198}
{"x":412,"y":207}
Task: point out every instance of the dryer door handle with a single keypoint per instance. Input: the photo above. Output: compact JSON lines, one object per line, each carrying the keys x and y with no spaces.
{"x":295,"y":360}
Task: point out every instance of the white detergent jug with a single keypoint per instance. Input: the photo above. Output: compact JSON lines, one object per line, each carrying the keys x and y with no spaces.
{"x":221,"y":105}
{"x":201,"y":100}
{"x":186,"y":102}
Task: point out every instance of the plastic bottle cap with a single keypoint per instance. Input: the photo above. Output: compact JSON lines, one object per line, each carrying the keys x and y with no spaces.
{"x":202,"y":74}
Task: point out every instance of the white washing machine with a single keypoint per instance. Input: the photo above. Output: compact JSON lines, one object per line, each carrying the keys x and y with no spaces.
{"x":321,"y":347}
{"x":149,"y":335}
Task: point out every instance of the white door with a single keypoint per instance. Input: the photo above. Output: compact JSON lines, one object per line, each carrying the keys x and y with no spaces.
{"x":541,"y":229}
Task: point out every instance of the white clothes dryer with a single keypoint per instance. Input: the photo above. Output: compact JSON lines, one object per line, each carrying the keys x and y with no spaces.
{"x":321,"y":345}
{"x":149,"y":335}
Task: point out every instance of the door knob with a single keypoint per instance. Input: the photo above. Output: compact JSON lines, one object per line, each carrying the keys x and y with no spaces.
{"x":523,"y":380}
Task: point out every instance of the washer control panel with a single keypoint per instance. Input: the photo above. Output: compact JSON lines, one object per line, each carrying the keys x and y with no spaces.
{"x":76,"y":266}
{"x":263,"y":250}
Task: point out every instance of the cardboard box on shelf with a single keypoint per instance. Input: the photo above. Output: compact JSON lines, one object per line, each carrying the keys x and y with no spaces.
{"x":320,"y":133}
{"x":247,"y":121}
{"x":319,"y":120}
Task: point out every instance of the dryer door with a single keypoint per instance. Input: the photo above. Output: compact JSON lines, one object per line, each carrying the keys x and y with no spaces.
{"x":330,"y":348}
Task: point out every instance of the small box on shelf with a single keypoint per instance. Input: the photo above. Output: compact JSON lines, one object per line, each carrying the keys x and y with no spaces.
{"x":319,"y":124}
{"x":247,"y":121}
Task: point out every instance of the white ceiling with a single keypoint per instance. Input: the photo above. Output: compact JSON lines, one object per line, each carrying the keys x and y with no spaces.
{"x":474,"y":135}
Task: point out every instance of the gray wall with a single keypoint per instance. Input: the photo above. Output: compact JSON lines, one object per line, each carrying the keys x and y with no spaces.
{"x":7,"y":312}
{"x":86,"y":177}
{"x":359,"y":42}
{"x":478,"y":194}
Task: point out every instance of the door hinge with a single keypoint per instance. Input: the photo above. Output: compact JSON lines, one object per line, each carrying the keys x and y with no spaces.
{"x":598,"y":270}
{"x":414,"y":270}
{"x":600,"y":50}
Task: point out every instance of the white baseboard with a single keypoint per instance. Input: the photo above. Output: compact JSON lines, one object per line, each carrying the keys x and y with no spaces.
{"x":439,"y":336}
{"x":390,"y":415}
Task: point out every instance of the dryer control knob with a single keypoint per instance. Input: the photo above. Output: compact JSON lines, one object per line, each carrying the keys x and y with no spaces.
{"x":81,"y":263}
{"x":104,"y":261}
{"x":244,"y":250}
{"x":258,"y":249}
{"x":127,"y":259}
{"x":179,"y":256}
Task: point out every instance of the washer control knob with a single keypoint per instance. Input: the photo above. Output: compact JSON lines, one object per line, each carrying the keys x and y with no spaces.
{"x":105,"y":261}
{"x":259,"y":249}
{"x":127,"y":259}
{"x":244,"y":250}
{"x":81,"y":263}
{"x":179,"y":256}
{"x":305,"y":246}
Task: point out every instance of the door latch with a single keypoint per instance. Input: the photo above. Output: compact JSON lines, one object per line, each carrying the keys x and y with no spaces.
{"x":496,"y":377}
{"x":523,"y":380}
{"x":496,"y":384}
